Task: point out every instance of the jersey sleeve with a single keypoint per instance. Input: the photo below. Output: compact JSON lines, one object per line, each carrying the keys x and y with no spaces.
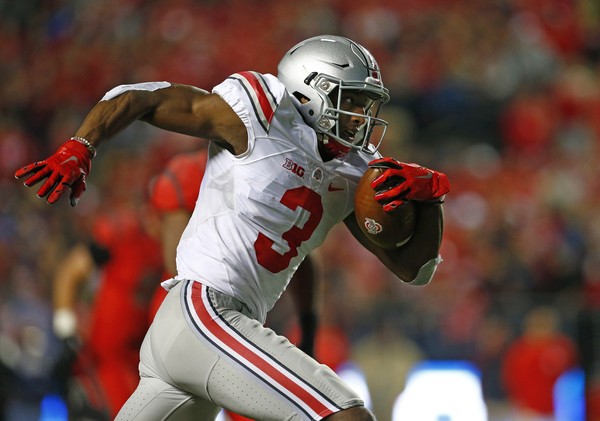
{"x":254,"y":97}
{"x":177,"y":187}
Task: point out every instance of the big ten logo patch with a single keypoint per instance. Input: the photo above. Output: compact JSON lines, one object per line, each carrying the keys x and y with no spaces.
{"x":293,"y":167}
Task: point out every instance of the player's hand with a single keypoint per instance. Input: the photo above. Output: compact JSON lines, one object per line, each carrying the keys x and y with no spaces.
{"x":401,"y":182}
{"x":67,"y":168}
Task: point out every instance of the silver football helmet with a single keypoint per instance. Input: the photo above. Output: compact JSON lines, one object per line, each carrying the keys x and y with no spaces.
{"x":320,"y":69}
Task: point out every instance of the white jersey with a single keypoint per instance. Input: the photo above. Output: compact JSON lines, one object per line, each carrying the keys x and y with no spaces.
{"x":260,"y":213}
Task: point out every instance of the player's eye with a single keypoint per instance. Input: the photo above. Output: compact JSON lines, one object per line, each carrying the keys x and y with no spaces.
{"x":361,"y":101}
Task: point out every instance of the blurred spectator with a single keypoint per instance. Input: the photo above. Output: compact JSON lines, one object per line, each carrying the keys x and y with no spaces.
{"x":533,"y":362}
{"x":27,"y":349}
{"x":386,"y":357}
{"x":107,"y":339}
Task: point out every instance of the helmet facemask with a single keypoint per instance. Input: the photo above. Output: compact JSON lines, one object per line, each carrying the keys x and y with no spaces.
{"x":370,"y":135}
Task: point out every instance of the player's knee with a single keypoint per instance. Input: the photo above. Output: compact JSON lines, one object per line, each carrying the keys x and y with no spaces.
{"x":358,"y":413}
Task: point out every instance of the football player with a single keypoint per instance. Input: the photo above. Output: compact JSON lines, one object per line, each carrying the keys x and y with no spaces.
{"x":173,"y":195}
{"x":285,"y":155}
{"x":116,"y":271}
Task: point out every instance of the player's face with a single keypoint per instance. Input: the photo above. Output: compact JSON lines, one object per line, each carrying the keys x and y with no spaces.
{"x":353,"y":105}
{"x":357,"y":104}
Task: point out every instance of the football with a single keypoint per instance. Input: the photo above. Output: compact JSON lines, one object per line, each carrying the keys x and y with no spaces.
{"x":388,"y":230}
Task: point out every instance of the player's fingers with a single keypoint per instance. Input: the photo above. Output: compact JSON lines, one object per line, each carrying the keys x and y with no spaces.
{"x":384,"y":163}
{"x":393,"y":205}
{"x":57,"y":192}
{"x":72,"y":182}
{"x":49,"y":184}
{"x":393,"y":193}
{"x":29,"y":169}
{"x":377,"y":163}
{"x":441,"y":185}
{"x":77,"y":190}
{"x":35,"y":177}
{"x":387,"y":180}
{"x":379,"y":181}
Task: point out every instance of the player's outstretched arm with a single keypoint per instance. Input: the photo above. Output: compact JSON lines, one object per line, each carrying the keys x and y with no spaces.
{"x":416,"y":260}
{"x":178,"y":108}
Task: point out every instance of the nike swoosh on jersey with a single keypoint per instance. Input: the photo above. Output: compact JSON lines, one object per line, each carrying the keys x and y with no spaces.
{"x":333,"y":188}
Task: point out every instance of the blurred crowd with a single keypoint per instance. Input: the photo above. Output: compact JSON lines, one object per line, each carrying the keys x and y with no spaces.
{"x":502,"y":95}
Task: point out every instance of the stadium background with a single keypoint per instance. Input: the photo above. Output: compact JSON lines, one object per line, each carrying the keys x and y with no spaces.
{"x":502,"y":95}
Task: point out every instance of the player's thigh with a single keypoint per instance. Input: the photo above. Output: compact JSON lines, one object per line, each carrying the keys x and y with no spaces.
{"x":156,"y":400}
{"x":259,"y":374}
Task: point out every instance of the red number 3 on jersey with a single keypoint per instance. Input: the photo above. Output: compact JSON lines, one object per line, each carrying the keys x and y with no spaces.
{"x":306,"y":199}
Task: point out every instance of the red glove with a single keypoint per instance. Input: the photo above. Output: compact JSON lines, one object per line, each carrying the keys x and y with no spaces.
{"x":401,"y":182}
{"x":68,"y":167}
